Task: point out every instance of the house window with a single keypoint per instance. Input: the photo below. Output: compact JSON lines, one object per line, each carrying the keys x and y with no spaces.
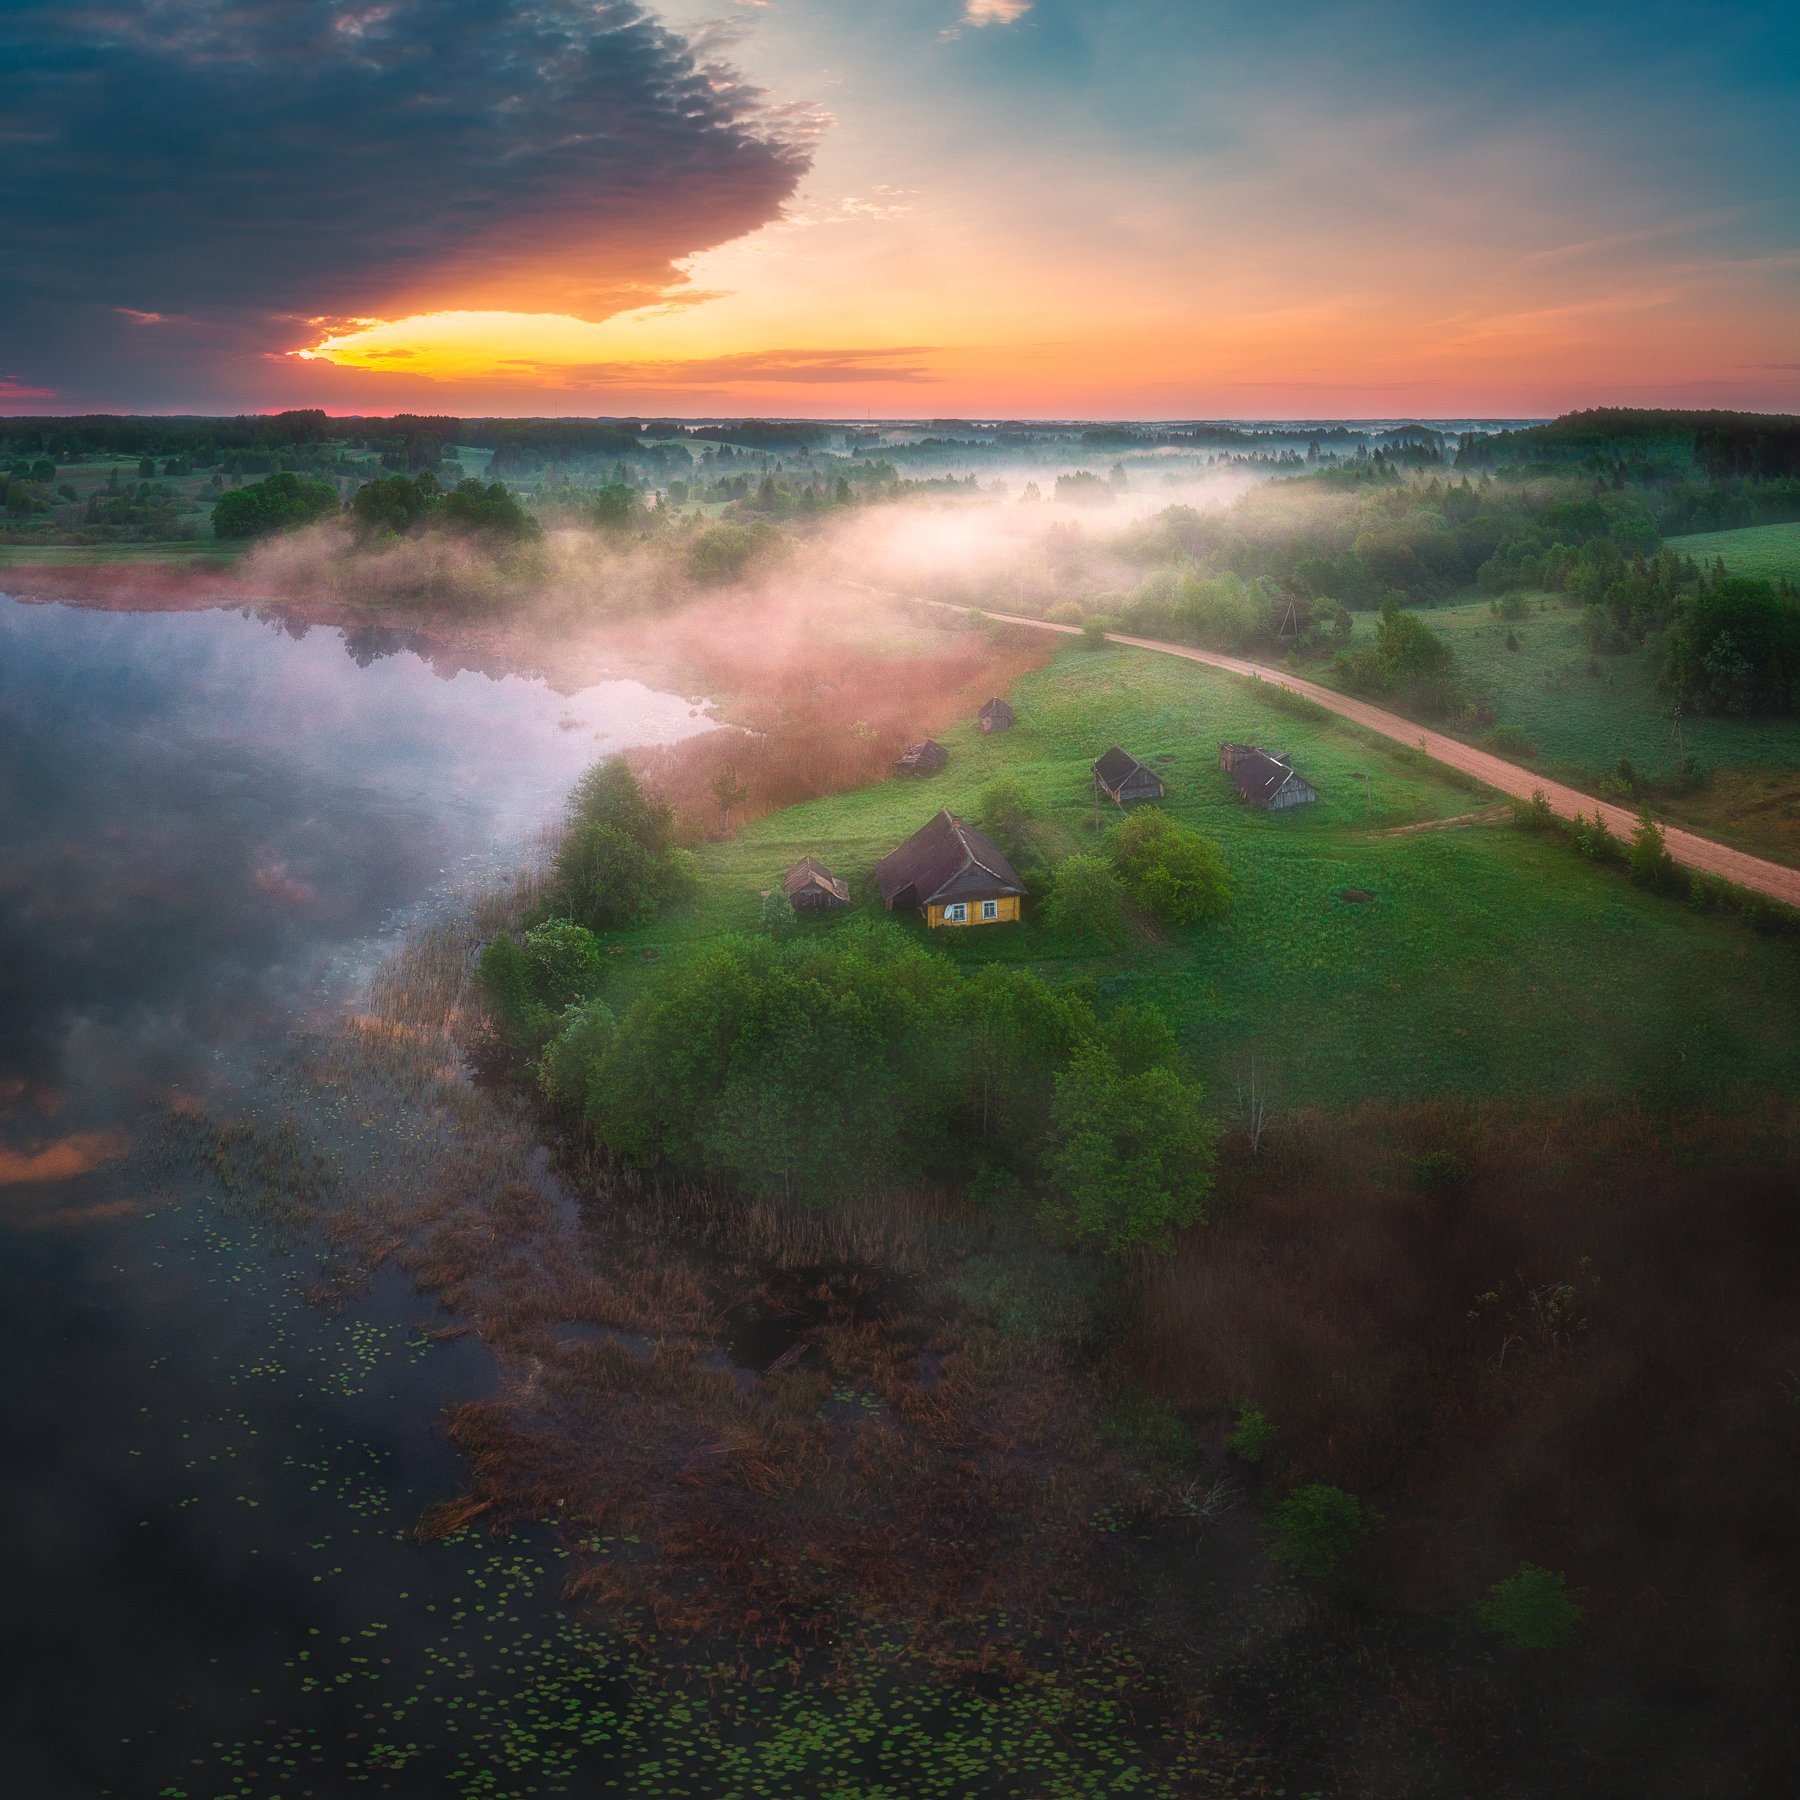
{"x":990,"y":909}
{"x":957,"y":914}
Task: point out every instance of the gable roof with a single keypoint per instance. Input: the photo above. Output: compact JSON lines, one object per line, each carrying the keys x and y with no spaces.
{"x":1260,"y":776}
{"x":995,"y":709}
{"x":928,"y":754}
{"x":808,"y":873}
{"x":945,"y":860}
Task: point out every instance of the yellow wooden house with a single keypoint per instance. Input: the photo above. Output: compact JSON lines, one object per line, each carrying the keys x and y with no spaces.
{"x":953,"y":874}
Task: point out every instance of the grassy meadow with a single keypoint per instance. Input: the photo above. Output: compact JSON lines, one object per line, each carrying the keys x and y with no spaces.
{"x":1488,"y":962}
{"x":1766,"y":551}
{"x":1581,"y":713}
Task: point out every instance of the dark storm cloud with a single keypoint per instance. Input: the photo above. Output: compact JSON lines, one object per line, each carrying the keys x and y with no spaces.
{"x":226,"y":162}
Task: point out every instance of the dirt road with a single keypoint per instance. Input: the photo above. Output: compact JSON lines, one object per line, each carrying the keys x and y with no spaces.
{"x":1507,"y":778}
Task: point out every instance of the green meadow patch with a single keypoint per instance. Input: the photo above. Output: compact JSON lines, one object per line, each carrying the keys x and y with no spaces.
{"x":1472,"y":959}
{"x":1768,"y":551}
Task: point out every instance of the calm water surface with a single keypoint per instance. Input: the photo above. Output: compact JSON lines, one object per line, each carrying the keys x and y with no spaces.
{"x":210,"y":828}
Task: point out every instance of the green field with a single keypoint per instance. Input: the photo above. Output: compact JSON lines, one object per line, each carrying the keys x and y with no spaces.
{"x":1490,"y":961}
{"x":60,"y":555}
{"x":1769,"y":551}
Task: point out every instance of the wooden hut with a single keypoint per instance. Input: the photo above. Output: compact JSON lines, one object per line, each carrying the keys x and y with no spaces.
{"x":813,"y":888}
{"x":954,"y":875}
{"x":1265,"y":778}
{"x":995,"y":715}
{"x":1121,"y":777}
{"x":921,"y":759}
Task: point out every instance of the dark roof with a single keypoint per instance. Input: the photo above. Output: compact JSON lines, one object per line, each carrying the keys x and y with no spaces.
{"x":1259,"y":776}
{"x":1118,"y":765}
{"x":927,"y":755}
{"x":995,"y":709}
{"x":945,"y":860}
{"x":807,"y":873}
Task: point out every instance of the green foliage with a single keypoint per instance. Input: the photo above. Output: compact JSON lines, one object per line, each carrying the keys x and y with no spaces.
{"x":1151,"y":1435}
{"x":1086,"y":900}
{"x":617,"y":864}
{"x":1093,"y":633}
{"x":1533,"y":1609}
{"x":1407,"y":661}
{"x":615,"y":506}
{"x":1649,"y":860}
{"x":1004,"y":812}
{"x":1169,"y":869}
{"x":1734,"y":648}
{"x":1317,"y":1529}
{"x":584,"y":1034}
{"x":728,"y":791}
{"x":1251,"y":1436}
{"x":1131,"y":1157}
{"x":779,"y":919}
{"x":399,"y":504}
{"x":724,"y":552}
{"x":503,"y":979}
{"x":280,"y":503}
{"x":563,"y":962}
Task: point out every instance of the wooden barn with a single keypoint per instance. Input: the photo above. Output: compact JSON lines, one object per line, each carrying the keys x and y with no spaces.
{"x":1121,"y":777}
{"x":1265,"y":778}
{"x":921,"y":759}
{"x":813,"y":888}
{"x":995,"y":715}
{"x":954,"y":875}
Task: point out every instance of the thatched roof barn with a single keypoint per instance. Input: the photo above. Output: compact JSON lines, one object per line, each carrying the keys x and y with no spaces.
{"x":1121,"y":777}
{"x":1265,"y":778}
{"x":995,"y":715}
{"x":813,"y":888}
{"x":921,"y":759}
{"x":953,"y":874}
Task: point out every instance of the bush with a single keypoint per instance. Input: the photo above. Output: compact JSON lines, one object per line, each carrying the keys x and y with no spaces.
{"x":503,"y":979}
{"x":1172,"y":872}
{"x":1093,"y":634}
{"x":1004,"y":812}
{"x":278,"y":504}
{"x":779,"y":919}
{"x":617,"y":864}
{"x":1317,"y":1529}
{"x":1532,"y":1610}
{"x":1649,"y":860}
{"x":1251,"y":1436}
{"x":562,"y":962}
{"x":1131,"y":1157}
{"x":583,"y":1036}
{"x":1086,"y":900}
{"x":1535,"y":814}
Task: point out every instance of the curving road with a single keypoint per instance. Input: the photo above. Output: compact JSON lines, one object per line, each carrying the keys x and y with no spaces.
{"x":1507,"y":778}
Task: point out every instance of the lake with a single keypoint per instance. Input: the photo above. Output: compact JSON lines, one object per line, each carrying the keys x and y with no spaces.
{"x":213,"y":827}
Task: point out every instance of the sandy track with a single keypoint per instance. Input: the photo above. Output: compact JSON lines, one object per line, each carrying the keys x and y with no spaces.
{"x":1507,"y":778}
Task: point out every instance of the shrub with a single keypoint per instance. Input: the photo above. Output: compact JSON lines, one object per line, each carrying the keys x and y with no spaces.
{"x":1004,"y":812}
{"x":1172,"y":872}
{"x":617,"y":864}
{"x":562,"y":962}
{"x":1649,"y":860}
{"x":1535,"y":814}
{"x":1251,"y":1436}
{"x":1131,"y":1157}
{"x":277,"y":504}
{"x":1093,"y":634}
{"x":778,"y":916}
{"x":503,"y":979}
{"x":583,"y":1036}
{"x":1532,"y":1610}
{"x":1086,"y":899}
{"x":1317,"y":1529}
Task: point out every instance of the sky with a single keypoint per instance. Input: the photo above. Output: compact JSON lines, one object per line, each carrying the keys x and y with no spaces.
{"x":898,"y":208}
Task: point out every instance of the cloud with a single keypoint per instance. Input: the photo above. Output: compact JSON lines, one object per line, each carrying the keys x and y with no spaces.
{"x":251,"y":164}
{"x":994,"y":12}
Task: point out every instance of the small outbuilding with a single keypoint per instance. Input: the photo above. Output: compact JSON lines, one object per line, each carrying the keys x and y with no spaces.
{"x":1265,"y":778}
{"x":813,"y":888}
{"x":921,"y":759}
{"x":995,"y":715}
{"x":953,"y":874}
{"x":1121,"y":777}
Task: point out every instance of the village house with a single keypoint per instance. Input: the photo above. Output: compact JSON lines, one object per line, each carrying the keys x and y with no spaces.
{"x":953,"y":874}
{"x":1265,"y":778}
{"x":995,"y":715}
{"x":813,"y":888}
{"x":921,"y":759}
{"x":1121,"y":777}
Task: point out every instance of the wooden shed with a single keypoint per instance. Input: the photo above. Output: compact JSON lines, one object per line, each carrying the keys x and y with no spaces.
{"x":921,"y":759}
{"x":1265,"y":778}
{"x":1121,"y":777}
{"x":995,"y":715}
{"x":954,"y":875}
{"x":813,"y":888}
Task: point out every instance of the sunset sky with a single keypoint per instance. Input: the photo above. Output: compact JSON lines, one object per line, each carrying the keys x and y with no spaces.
{"x":1154,"y":208}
